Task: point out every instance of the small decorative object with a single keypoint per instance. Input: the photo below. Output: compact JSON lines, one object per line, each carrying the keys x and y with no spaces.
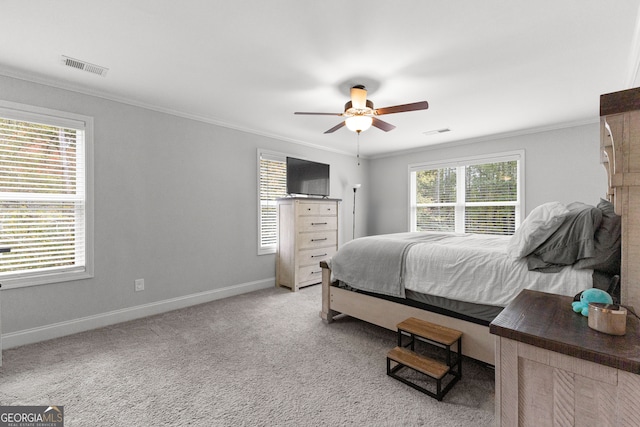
{"x":608,"y":318}
{"x":590,"y":295}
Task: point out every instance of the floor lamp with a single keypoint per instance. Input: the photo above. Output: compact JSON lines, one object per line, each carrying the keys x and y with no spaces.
{"x":355,"y":189}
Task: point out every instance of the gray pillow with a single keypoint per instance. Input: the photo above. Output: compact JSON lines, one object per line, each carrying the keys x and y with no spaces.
{"x":541,"y":223}
{"x":572,"y":241}
{"x":607,"y":242}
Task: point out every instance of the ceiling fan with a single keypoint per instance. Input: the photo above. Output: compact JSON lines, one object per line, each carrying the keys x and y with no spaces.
{"x":360,"y":114}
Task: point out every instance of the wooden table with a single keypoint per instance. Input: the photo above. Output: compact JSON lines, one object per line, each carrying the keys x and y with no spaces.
{"x":552,"y":369}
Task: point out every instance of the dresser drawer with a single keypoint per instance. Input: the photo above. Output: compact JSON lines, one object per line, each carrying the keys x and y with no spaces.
{"x":317,"y":239}
{"x":309,"y":274}
{"x":317,"y":208}
{"x":314,"y":256}
{"x":315,"y":223}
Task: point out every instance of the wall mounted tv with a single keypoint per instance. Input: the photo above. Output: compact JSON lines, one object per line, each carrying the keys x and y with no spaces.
{"x":307,"y":178}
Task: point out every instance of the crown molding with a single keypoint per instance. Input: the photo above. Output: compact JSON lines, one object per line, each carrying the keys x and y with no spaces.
{"x":214,"y":121}
{"x":123,"y":100}
{"x":490,"y":137}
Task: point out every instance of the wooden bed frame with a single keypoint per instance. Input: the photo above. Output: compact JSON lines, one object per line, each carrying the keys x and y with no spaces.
{"x":620,"y":155}
{"x":476,"y":340}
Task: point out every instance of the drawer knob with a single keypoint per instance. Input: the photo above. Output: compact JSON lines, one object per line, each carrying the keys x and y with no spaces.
{"x":318,"y":256}
{"x":318,"y":240}
{"x":318,"y":223}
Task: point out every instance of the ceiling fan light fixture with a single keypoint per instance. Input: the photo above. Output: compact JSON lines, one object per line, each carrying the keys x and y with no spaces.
{"x":358,"y":123}
{"x":359,"y":97}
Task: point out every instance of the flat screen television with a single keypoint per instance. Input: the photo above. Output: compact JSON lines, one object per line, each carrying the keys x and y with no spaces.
{"x":307,"y":178}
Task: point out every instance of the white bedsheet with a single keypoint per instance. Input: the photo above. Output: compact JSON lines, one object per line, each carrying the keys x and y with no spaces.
{"x":476,"y":268}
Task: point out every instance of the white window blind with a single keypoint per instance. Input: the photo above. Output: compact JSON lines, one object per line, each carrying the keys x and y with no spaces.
{"x":43,"y":197}
{"x":480,"y":195}
{"x":436,"y":195}
{"x":273,"y":185}
{"x":491,"y":195}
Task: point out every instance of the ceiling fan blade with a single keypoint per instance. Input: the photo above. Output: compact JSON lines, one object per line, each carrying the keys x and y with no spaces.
{"x":422,"y":105}
{"x":382,"y":125}
{"x":336,"y":127}
{"x":319,"y":114}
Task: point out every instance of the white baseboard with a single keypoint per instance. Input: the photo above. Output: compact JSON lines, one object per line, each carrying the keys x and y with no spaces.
{"x":56,"y":330}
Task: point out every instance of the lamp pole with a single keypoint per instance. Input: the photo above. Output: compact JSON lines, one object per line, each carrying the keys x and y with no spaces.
{"x":355,"y":189}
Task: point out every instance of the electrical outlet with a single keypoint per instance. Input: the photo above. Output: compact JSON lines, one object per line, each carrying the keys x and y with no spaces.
{"x":138,"y":285}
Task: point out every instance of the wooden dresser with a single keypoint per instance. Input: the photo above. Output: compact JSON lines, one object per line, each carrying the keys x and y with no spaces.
{"x":307,"y":234}
{"x":553,"y":370}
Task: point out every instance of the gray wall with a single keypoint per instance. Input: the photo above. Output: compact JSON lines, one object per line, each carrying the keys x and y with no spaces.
{"x":175,"y":204}
{"x":560,"y":165}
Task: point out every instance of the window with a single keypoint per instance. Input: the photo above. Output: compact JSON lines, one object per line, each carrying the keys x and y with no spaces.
{"x":272,"y":185}
{"x":479,"y":195}
{"x":45,"y":214}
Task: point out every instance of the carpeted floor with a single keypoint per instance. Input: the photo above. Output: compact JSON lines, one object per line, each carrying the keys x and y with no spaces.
{"x":259,"y":359}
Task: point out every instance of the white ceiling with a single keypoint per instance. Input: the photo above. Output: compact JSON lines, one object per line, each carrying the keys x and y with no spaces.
{"x":488,"y":67}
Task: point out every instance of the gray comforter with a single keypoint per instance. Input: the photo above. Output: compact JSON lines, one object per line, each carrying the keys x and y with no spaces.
{"x":375,"y":263}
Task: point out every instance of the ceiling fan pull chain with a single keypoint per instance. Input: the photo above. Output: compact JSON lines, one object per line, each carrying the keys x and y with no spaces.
{"x":358,"y":154}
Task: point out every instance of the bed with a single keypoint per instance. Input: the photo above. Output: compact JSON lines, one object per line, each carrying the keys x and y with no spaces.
{"x":551,"y":261}
{"x":464,"y":280}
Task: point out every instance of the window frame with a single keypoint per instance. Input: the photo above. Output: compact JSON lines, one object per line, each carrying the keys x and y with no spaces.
{"x":16,"y":111}
{"x":278,"y":156}
{"x":460,"y":204}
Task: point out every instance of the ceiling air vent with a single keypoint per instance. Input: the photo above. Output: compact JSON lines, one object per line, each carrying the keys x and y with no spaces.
{"x":435,"y":131}
{"x":84,"y":66}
